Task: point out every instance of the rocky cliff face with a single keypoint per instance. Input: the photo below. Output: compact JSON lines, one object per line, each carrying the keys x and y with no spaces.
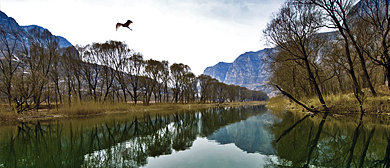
{"x":218,"y":71}
{"x":248,"y":70}
{"x":34,"y":29}
{"x":8,"y":24}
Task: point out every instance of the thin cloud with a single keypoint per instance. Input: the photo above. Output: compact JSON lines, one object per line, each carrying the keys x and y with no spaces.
{"x":198,"y":33}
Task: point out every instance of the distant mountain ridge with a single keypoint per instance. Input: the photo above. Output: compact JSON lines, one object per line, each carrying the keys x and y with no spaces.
{"x":247,"y":70}
{"x":218,"y":71}
{"x":9,"y":24}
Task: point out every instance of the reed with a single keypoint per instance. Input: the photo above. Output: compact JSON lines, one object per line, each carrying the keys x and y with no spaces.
{"x":88,"y":108}
{"x":340,"y":103}
{"x":379,"y":104}
{"x":277,"y":102}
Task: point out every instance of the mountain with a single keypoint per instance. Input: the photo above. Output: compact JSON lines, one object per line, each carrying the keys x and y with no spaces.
{"x":218,"y":71}
{"x":247,"y":70}
{"x":63,"y":42}
{"x":8,"y":24}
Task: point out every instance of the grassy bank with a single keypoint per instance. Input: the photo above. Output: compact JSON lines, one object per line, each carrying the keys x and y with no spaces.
{"x":341,"y":103}
{"x":93,"y":109}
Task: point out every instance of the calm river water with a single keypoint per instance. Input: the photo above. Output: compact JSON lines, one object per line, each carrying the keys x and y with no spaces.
{"x":251,"y":136}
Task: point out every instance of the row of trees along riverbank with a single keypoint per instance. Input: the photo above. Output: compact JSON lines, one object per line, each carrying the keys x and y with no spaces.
{"x":37,"y":71}
{"x":353,"y":55}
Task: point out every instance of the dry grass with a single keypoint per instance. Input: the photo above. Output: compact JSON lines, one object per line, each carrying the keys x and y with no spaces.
{"x":278,"y":103}
{"x":340,"y":103}
{"x":91,"y":108}
{"x":378,"y":104}
{"x":348,"y":103}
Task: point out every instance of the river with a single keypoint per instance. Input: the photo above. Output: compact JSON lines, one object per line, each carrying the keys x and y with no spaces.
{"x":250,"y":136}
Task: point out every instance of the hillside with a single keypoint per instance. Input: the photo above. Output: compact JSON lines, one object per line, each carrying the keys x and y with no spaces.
{"x":28,"y":33}
{"x":247,"y":70}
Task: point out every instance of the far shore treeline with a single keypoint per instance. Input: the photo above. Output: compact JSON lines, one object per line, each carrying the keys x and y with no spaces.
{"x":36,"y":71}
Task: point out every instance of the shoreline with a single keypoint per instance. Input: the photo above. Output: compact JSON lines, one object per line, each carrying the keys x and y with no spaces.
{"x":337,"y":104}
{"x":109,"y":109}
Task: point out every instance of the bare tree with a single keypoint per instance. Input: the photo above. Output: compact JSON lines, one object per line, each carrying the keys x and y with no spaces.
{"x":374,"y":23}
{"x":189,"y":88}
{"x":205,"y":87}
{"x":9,"y":62}
{"x":338,"y":13}
{"x":178,"y":72}
{"x":135,"y":69}
{"x":71,"y":72}
{"x":119,"y":60}
{"x":109,"y":57}
{"x":43,"y":50}
{"x":91,"y":70}
{"x":293,"y":31}
{"x":165,"y":78}
{"x":157,"y":71}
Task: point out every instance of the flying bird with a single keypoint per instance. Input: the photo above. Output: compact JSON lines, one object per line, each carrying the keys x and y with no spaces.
{"x":124,"y":25}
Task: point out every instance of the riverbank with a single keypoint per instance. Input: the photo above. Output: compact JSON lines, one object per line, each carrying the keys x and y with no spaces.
{"x":341,"y":103}
{"x":96,"y":109}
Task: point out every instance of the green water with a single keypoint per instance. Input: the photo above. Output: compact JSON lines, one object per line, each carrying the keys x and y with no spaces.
{"x":220,"y":137}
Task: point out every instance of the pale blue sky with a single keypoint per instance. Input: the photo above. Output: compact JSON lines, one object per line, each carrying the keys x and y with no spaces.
{"x":199,"y":33}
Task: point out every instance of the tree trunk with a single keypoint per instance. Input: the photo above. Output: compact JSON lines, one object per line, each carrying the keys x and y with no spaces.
{"x":388,"y":76}
{"x":351,"y":71}
{"x":314,"y":82}
{"x":362,"y":63}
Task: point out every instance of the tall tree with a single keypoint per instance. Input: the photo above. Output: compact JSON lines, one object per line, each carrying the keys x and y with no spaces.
{"x":110,"y":58}
{"x":54,"y":76}
{"x":43,"y":50}
{"x":135,"y":69}
{"x":178,"y":72}
{"x":222,"y":92}
{"x":293,"y":31}
{"x":119,"y":60}
{"x":165,"y":79}
{"x":337,"y":13}
{"x":374,"y":21}
{"x":189,"y":88}
{"x":91,"y":70}
{"x":71,"y":72}
{"x":9,"y":63}
{"x":205,"y":87}
{"x":157,"y":71}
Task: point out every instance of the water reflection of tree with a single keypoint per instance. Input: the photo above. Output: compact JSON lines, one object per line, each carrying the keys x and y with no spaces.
{"x":186,"y":130}
{"x":124,"y":143}
{"x":251,"y":135}
{"x":302,"y":141}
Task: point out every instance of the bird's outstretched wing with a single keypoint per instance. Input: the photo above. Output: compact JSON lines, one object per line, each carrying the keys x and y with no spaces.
{"x":128,"y":22}
{"x":118,"y":25}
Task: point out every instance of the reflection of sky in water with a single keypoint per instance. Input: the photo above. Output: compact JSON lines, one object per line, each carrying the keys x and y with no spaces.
{"x":212,"y":138}
{"x":212,"y":152}
{"x":207,"y":153}
{"x":251,"y":135}
{"x":240,"y":144}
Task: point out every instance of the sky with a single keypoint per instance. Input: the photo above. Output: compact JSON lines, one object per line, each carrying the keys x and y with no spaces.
{"x":197,"y":33}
